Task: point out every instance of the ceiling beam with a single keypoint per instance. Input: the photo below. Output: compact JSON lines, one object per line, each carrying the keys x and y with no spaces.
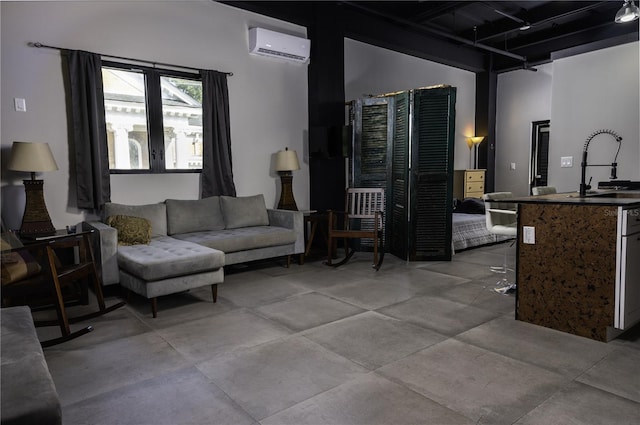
{"x":437,"y":32}
{"x":538,"y":16}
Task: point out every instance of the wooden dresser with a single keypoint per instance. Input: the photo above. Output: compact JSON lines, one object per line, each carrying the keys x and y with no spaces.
{"x":468,"y":183}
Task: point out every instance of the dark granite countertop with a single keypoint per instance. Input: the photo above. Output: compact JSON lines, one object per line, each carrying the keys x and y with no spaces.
{"x":625,"y":198}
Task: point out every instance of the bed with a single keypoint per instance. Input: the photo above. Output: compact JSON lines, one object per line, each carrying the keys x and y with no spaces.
{"x":470,"y":230}
{"x":469,"y":226}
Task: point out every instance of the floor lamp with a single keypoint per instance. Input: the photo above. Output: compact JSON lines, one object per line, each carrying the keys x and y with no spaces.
{"x":286,"y":162}
{"x":473,"y":143}
{"x":32,"y":158}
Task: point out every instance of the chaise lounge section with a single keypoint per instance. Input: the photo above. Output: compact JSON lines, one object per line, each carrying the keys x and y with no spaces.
{"x":190,"y":241}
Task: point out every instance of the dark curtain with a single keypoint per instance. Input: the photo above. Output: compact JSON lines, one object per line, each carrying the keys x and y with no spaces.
{"x":217,"y":173}
{"x":89,"y":130}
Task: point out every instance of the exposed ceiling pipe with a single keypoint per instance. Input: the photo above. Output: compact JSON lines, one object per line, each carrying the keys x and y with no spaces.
{"x":438,"y":32}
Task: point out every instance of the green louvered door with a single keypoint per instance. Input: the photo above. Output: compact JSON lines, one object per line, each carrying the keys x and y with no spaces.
{"x":432,"y":174}
{"x":373,"y":133}
{"x":398,"y":183}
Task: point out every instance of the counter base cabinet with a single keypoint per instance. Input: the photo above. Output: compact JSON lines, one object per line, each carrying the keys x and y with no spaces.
{"x":628,"y":269}
{"x":566,"y":280}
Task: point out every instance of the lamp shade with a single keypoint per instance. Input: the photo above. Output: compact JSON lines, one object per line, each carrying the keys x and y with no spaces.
{"x":472,"y":141}
{"x":627,"y":13}
{"x":287,"y":160}
{"x":31,"y":157}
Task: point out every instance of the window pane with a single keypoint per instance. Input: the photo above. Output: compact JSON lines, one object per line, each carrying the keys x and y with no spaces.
{"x":182,"y":121}
{"x":126,"y":116}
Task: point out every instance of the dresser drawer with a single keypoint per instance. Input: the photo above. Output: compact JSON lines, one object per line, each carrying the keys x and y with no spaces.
{"x":474,"y":187}
{"x":474,"y":176}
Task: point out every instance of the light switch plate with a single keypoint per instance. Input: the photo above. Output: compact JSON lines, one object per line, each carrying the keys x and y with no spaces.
{"x":19,"y":104}
{"x":566,"y":161}
{"x":513,"y":166}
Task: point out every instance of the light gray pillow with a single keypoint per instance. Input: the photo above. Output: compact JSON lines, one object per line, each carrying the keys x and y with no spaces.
{"x":186,"y":216}
{"x":244,"y":211}
{"x":155,"y":213}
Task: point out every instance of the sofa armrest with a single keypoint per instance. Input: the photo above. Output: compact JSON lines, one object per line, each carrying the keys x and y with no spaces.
{"x":291,"y":220}
{"x":105,"y":250}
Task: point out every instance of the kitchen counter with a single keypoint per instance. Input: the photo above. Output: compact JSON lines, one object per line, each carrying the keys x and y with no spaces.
{"x":568,"y":271}
{"x":630,"y":198}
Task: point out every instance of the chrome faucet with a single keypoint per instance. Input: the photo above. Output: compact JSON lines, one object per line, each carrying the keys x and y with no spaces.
{"x":614,"y":165}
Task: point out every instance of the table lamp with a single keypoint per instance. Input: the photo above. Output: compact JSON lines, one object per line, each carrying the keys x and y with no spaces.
{"x":473,"y":143}
{"x":286,"y":162}
{"x":33,"y":158}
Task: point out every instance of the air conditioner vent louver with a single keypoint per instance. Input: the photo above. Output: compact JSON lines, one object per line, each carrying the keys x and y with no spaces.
{"x":282,"y":54}
{"x":277,"y":45}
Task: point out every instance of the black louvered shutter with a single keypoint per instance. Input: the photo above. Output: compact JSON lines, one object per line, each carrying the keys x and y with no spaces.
{"x":432,"y":174}
{"x":373,"y":132}
{"x":397,"y":196}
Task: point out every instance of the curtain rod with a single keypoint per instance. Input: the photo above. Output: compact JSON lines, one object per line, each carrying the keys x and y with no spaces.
{"x":40,"y":45}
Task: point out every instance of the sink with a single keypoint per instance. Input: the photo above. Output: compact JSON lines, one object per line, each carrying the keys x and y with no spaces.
{"x":615,"y":195}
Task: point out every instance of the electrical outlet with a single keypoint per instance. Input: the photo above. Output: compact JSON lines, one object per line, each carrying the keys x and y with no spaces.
{"x":513,"y":166}
{"x":566,"y":161}
{"x":529,"y":235}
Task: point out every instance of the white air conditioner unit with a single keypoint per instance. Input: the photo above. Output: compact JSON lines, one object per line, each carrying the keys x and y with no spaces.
{"x":277,"y":45}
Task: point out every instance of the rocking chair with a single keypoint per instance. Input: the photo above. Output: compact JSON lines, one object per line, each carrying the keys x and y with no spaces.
{"x":363,"y":218}
{"x":52,"y":277}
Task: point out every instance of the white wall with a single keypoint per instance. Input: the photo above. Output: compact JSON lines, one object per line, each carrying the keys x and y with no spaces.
{"x":522,"y":97}
{"x":371,"y":70}
{"x":595,"y":90}
{"x":268,"y":98}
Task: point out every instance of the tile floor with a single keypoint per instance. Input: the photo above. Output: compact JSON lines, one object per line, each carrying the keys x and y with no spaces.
{"x":415,"y":343}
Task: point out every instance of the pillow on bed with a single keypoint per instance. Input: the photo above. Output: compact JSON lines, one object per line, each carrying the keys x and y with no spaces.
{"x":470,"y":206}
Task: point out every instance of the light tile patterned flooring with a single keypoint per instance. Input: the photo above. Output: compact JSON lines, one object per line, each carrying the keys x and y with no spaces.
{"x":415,"y":343}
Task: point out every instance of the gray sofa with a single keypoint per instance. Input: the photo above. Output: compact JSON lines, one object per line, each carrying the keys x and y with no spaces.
{"x":28,"y":393}
{"x":192,"y":240}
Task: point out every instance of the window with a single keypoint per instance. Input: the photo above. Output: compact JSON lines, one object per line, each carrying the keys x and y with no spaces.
{"x":154,"y":119}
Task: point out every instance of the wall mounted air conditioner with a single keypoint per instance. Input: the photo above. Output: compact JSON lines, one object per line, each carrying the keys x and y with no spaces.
{"x":277,"y":45}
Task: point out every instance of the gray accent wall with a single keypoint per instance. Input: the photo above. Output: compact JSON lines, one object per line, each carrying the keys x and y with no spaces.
{"x":592,"y":91}
{"x":522,"y":97}
{"x":579,"y":94}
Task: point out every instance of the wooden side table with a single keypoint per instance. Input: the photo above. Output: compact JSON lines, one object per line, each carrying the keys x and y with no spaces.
{"x":313,"y":218}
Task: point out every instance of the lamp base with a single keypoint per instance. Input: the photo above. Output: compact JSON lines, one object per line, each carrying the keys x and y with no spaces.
{"x":36,"y":220}
{"x":287,"y":202}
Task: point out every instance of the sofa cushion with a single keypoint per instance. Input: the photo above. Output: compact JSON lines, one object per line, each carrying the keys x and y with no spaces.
{"x":244,"y":211}
{"x":167,"y":257}
{"x":155,"y":213}
{"x":131,"y":230}
{"x":185,"y":216}
{"x":242,"y":239}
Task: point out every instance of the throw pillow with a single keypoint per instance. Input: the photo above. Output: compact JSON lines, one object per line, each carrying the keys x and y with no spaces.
{"x":155,"y":213}
{"x":244,"y":211}
{"x":18,"y":265}
{"x":131,"y":230}
{"x":186,"y":216}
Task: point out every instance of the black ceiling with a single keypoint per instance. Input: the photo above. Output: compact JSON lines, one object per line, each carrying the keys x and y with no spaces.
{"x":473,"y":35}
